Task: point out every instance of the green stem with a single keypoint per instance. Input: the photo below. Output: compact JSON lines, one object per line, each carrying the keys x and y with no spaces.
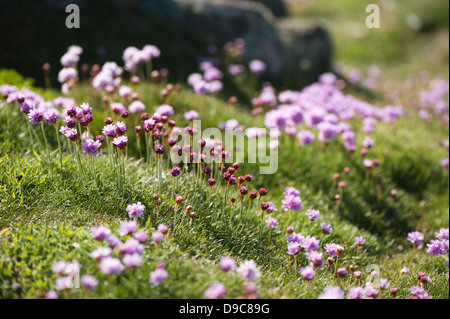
{"x":59,"y":147}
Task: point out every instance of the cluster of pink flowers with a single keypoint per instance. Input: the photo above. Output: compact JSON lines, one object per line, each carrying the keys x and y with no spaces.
{"x":69,"y":74}
{"x":435,"y":100}
{"x":133,"y":57}
{"x":324,"y":108}
{"x":207,"y":82}
{"x":108,"y":79}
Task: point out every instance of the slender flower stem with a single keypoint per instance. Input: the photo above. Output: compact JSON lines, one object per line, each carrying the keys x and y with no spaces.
{"x":138,"y":141}
{"x":29,"y":131}
{"x":123,"y":174}
{"x":159,"y":172}
{"x":46,"y":144}
{"x":262,"y":224}
{"x":77,"y":154}
{"x":59,"y":147}
{"x":173,"y":189}
{"x":147,"y":146}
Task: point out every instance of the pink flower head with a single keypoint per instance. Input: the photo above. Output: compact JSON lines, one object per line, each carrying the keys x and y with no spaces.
{"x":356,"y":293}
{"x":100,"y":233}
{"x":157,"y":237}
{"x":89,"y":282}
{"x":132,"y":260}
{"x":307,"y":273}
{"x":326,"y":228}
{"x":310,"y":244}
{"x":90,"y":147}
{"x":127,"y":228}
{"x":332,"y":292}
{"x":191,"y":115}
{"x":141,"y":236}
{"x":248,"y":270}
{"x":227,"y":263}
{"x":415,"y":238}
{"x":109,"y":130}
{"x":110,"y":266}
{"x":120,"y":142}
{"x":131,"y":246}
{"x":257,"y":66}
{"x":292,"y":202}
{"x":135,"y":210}
{"x":101,"y":252}
{"x":158,"y":276}
{"x":216,"y":291}
{"x":360,"y":241}
{"x":271,"y":222}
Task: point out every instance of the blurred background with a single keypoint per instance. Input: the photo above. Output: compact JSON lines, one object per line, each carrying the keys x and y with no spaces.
{"x":298,"y":39}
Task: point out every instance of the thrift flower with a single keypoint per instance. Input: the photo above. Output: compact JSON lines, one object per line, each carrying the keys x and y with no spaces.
{"x":90,"y":147}
{"x":384,"y":284}
{"x":293,"y":249}
{"x":307,"y":273}
{"x":310,"y":244}
{"x":443,"y":234}
{"x":140,"y":236}
{"x":59,"y":267}
{"x":89,"y":282}
{"x":131,"y":246}
{"x":135,"y":210}
{"x":316,"y":259}
{"x":157,"y":237}
{"x":326,"y":229}
{"x":132,"y":260}
{"x":127,"y":228}
{"x":120,"y":142}
{"x":191,"y":115}
{"x":415,"y":238}
{"x":110,"y":266}
{"x":216,"y":291}
{"x":227,"y":264}
{"x":405,"y":271}
{"x":51,"y":294}
{"x":356,"y":293}
{"x":101,"y":252}
{"x":332,"y":292}
{"x":291,"y":202}
{"x":158,"y":276}
{"x":109,"y":130}
{"x":100,"y":232}
{"x":331,"y":249}
{"x":271,"y":222}
{"x":313,"y":215}
{"x":360,"y":241}
{"x":257,"y":66}
{"x":35,"y":116}
{"x":435,"y":248}
{"x":248,"y":270}
{"x":162,"y":229}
